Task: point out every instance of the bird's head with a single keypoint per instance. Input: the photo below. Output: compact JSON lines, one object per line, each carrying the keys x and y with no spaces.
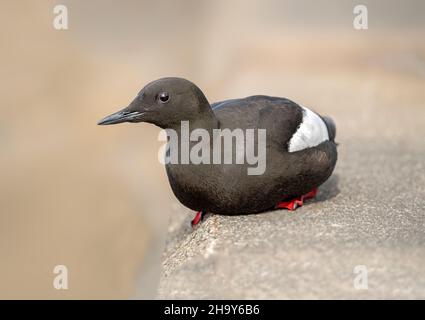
{"x":164,"y":102}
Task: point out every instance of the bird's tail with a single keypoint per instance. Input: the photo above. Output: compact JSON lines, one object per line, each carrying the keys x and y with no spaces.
{"x":330,"y":124}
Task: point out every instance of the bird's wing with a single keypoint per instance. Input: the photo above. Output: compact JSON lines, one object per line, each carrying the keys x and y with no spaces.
{"x":281,"y":118}
{"x":288,"y":124}
{"x":223,"y":103}
{"x":311,"y":132}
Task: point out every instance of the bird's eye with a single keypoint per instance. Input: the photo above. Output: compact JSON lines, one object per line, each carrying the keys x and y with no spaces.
{"x":164,"y":97}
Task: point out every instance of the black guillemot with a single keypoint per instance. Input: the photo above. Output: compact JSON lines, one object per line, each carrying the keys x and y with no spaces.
{"x":300,"y":149}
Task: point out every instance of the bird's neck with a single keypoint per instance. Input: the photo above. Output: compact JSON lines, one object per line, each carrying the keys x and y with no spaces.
{"x":203,"y":119}
{"x":207,"y":120}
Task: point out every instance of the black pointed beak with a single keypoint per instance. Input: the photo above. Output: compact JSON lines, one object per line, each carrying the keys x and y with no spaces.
{"x":124,"y":115}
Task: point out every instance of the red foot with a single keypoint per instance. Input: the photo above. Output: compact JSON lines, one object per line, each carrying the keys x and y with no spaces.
{"x":296,"y":202}
{"x":197,"y":219}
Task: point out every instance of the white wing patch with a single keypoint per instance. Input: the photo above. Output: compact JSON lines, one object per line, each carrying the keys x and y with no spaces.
{"x":311,"y":132}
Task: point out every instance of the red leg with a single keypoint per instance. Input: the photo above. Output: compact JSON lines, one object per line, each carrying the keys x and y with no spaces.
{"x":296,"y":202}
{"x":198,"y":217}
{"x":311,"y":194}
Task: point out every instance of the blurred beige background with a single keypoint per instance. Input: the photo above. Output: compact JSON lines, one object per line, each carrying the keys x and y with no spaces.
{"x":96,"y":199}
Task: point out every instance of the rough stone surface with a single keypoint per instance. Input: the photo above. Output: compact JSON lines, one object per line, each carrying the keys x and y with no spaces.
{"x":370,"y":212}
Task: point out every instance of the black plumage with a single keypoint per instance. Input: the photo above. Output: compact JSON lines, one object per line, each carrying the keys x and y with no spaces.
{"x":227,"y":188}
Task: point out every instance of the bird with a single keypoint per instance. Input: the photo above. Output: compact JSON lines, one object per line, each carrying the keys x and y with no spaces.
{"x":300,"y":149}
